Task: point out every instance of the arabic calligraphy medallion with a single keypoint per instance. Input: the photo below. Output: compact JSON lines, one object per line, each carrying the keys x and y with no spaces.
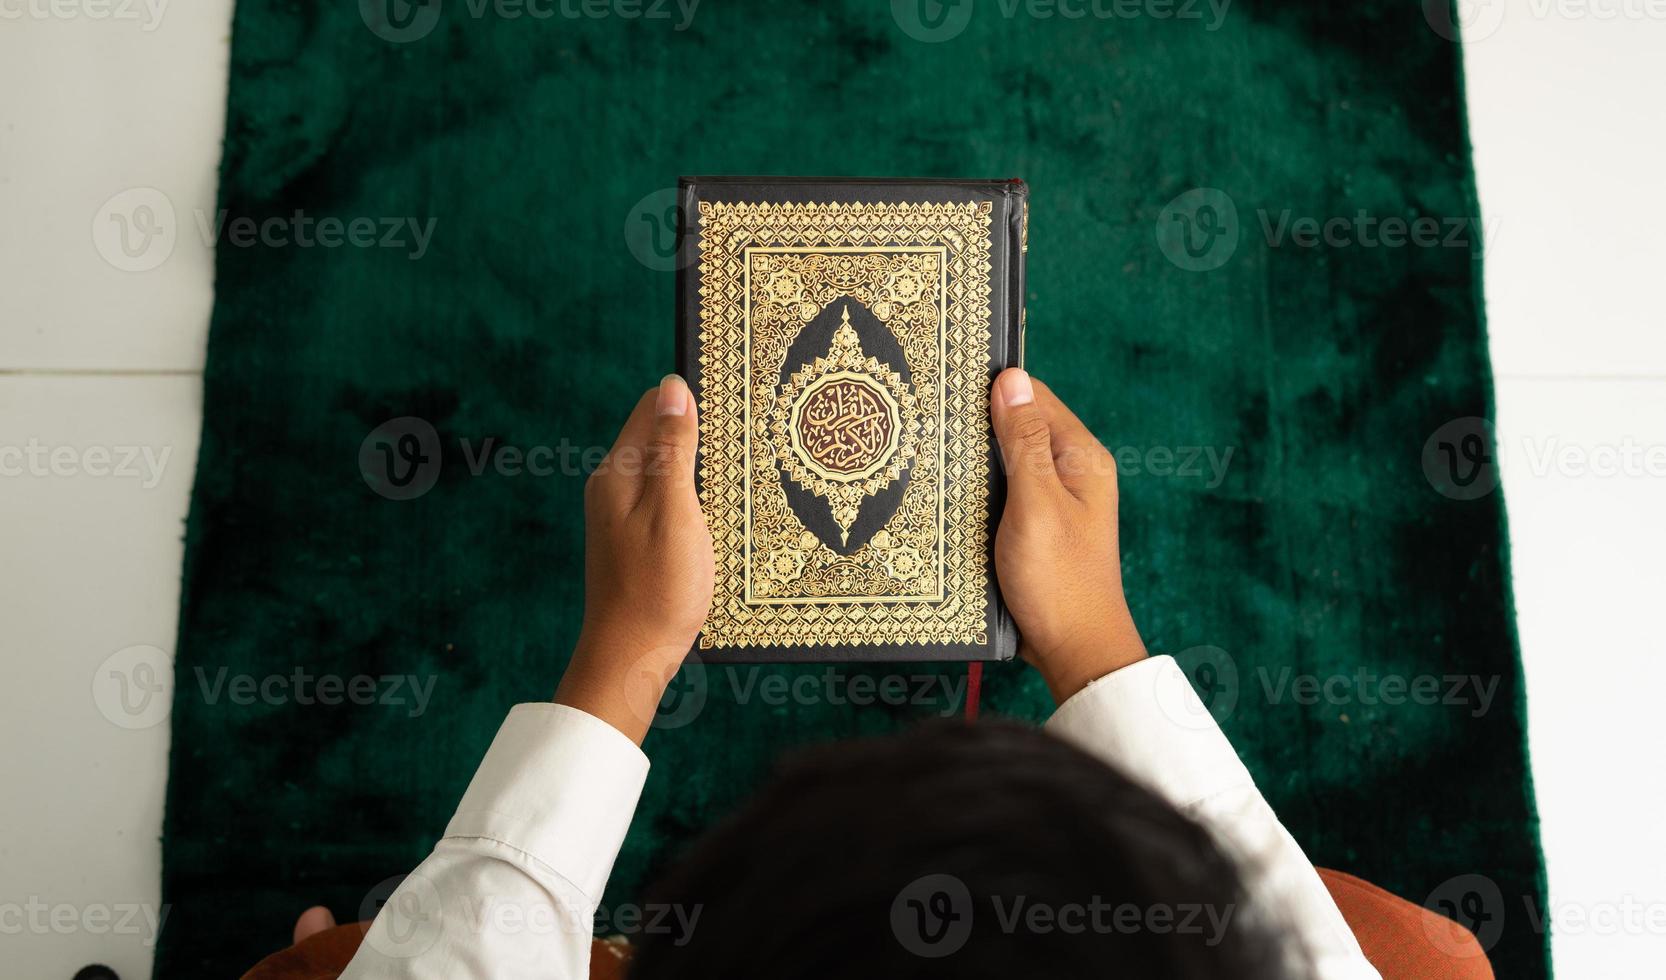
{"x":850,"y":423}
{"x":844,"y":426}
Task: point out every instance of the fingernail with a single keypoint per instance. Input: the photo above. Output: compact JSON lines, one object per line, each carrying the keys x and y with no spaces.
{"x":1016,"y":388}
{"x":673,"y":396}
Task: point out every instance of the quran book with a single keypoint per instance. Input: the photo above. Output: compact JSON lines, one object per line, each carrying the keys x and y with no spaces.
{"x":841,"y":337}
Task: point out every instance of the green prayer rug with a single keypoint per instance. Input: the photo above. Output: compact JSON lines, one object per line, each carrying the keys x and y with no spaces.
{"x":1212,"y":286}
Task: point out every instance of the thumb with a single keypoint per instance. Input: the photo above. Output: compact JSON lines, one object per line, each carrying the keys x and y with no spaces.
{"x":1025,"y":438}
{"x":312,"y":922}
{"x":671,"y":446}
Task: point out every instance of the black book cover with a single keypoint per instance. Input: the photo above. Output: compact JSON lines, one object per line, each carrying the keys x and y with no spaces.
{"x":840,"y":336}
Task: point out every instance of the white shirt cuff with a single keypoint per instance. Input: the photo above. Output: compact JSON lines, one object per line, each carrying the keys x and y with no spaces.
{"x":560,"y":785}
{"x":1146,"y":721}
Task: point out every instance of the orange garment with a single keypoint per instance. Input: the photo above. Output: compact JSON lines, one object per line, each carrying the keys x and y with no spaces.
{"x":1405,"y":941}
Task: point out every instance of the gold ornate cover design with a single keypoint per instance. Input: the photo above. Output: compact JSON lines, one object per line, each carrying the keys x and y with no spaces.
{"x":846,"y":425}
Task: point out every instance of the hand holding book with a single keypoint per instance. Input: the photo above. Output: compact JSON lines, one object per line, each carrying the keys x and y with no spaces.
{"x":649,"y":565}
{"x":1056,"y":552}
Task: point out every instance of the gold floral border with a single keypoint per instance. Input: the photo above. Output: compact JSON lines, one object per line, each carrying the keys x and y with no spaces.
{"x":949,"y":601}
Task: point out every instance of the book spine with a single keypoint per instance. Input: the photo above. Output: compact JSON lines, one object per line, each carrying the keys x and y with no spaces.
{"x":1018,"y":242}
{"x":1009,"y":352}
{"x":686,"y":355}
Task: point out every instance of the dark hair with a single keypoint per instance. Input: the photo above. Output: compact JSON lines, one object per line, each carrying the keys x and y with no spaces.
{"x":969,"y":851}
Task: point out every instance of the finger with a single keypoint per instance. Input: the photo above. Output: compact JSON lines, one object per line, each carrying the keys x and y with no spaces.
{"x":619,"y":475}
{"x":635,"y":431}
{"x":1025,"y":437}
{"x":312,"y":922}
{"x":1081,"y":460}
{"x":671,"y":445}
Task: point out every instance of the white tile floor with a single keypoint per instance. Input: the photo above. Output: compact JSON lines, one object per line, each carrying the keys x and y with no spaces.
{"x":1589,"y":583}
{"x":91,"y":568}
{"x":95,"y":361}
{"x":1568,"y":112}
{"x":1568,"y":120}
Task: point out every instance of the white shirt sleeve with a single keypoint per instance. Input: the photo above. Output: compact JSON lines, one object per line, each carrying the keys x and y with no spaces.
{"x":1147,"y":722}
{"x":512,"y":889}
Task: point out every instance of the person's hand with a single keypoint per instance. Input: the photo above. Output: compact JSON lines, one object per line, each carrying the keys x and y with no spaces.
{"x":648,"y":565}
{"x":1056,"y":550}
